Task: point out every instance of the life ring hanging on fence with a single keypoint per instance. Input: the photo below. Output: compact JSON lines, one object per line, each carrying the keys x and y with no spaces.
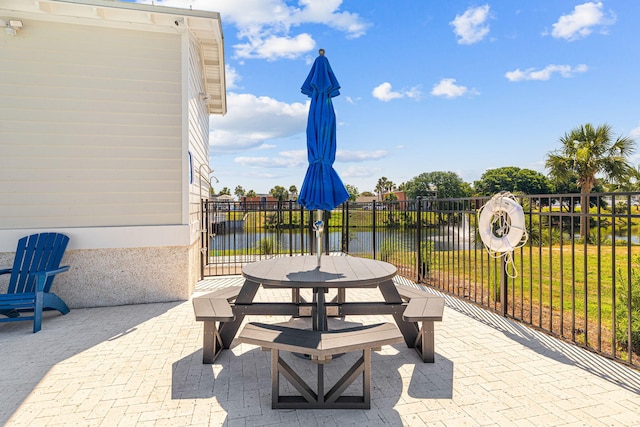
{"x":501,"y":224}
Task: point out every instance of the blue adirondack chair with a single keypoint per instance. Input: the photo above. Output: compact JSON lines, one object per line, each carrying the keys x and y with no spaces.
{"x":36,"y":263}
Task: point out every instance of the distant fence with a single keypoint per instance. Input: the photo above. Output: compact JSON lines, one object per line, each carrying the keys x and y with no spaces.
{"x":584,"y":290}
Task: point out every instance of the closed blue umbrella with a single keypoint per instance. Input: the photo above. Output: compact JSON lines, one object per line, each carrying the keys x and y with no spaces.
{"x":322,"y":188}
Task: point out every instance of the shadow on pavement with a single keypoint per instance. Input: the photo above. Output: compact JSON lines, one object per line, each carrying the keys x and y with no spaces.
{"x":27,"y":358}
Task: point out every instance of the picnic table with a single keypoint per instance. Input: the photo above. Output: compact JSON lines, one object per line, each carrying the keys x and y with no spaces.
{"x":302,"y":272}
{"x":229,"y":306}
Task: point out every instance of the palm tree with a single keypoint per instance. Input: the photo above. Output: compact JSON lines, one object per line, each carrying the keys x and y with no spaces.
{"x":630,"y":182}
{"x":588,"y":152}
{"x":384,"y":186}
{"x":279,"y":193}
{"x":293,"y":192}
{"x":239,"y":192}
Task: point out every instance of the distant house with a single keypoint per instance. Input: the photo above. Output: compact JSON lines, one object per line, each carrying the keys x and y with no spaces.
{"x":264,"y":201}
{"x":399,"y":196}
{"x":222,"y":198}
{"x":104,"y":136}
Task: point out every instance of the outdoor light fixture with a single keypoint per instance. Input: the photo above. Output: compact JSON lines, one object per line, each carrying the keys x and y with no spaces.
{"x":12,"y":26}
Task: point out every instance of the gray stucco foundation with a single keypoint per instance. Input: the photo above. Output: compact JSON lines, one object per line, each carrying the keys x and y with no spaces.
{"x":108,"y":277}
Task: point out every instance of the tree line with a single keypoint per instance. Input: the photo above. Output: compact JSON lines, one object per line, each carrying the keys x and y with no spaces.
{"x":590,"y":158}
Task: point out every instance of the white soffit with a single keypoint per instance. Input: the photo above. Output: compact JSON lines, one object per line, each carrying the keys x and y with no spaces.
{"x":206,"y":27}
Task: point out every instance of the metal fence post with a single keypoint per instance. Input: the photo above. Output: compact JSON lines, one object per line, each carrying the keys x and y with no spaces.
{"x":325,"y":218}
{"x":373,"y":210}
{"x":290,"y":228}
{"x":345,"y":227}
{"x":419,"y":270}
{"x":204,"y":228}
{"x":504,"y":278}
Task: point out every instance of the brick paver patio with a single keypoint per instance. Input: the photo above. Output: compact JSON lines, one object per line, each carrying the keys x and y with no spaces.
{"x":142,"y":365}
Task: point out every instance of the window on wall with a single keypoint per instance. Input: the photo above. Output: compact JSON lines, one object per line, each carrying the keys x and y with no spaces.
{"x":190,"y":168}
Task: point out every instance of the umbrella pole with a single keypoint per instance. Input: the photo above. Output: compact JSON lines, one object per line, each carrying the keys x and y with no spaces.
{"x":318,"y":226}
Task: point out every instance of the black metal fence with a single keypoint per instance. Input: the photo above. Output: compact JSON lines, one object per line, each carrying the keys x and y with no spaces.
{"x":584,"y":290}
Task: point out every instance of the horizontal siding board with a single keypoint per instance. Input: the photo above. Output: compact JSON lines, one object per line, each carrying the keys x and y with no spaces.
{"x":44,"y":117}
{"x":61,"y":130}
{"x":70,"y":76}
{"x":110,"y":102}
{"x":101,"y":151}
{"x":107,"y":164}
{"x":119,"y":218}
{"x":102,"y":199}
{"x":79,"y":186}
{"x":33,"y":96}
{"x":90,"y":127}
{"x":88,"y":211}
{"x":129,"y":142}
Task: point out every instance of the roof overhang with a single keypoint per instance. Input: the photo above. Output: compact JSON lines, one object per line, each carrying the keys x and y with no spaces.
{"x":206,"y":27}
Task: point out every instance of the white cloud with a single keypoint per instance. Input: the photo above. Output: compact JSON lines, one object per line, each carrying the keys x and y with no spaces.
{"x":414,"y":93}
{"x":267,"y":24}
{"x":345,"y":156}
{"x":449,"y":89}
{"x":252,"y":120}
{"x":272,"y":47}
{"x":285,"y":159}
{"x":231,"y":77}
{"x":545,"y":73}
{"x":581,"y":21}
{"x":360,"y":172}
{"x":298,"y":158}
{"x":384,"y":92}
{"x":471,"y":26}
{"x":326,"y":12}
{"x":635,"y":133}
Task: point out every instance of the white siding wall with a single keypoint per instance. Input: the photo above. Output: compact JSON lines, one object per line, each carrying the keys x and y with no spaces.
{"x":95,"y":124}
{"x":90,"y":128}
{"x":198,"y":137}
{"x":198,"y":126}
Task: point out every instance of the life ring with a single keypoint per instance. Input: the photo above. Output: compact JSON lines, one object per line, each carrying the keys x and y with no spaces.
{"x":511,"y":228}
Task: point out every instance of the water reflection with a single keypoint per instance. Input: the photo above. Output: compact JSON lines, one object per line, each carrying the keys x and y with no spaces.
{"x":444,"y":239}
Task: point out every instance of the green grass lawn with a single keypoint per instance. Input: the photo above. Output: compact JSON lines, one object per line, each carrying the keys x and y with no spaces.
{"x":565,"y":289}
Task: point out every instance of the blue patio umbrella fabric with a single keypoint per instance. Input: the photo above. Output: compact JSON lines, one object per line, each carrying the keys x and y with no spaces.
{"x":322,"y":188}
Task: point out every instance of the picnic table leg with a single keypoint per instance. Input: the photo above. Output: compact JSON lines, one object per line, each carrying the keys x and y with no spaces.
{"x":228,"y":330}
{"x":319,"y":310}
{"x":427,"y":346}
{"x":409,"y":330}
{"x":340,"y":298}
{"x":275,"y":378}
{"x":211,"y":342}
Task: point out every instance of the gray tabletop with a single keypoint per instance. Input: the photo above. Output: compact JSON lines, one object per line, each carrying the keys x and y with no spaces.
{"x":334,"y":272}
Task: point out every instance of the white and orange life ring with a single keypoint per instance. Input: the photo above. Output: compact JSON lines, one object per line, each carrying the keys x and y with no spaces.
{"x":501,"y":224}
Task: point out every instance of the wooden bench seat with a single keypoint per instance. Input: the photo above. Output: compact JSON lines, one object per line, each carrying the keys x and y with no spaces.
{"x":408,"y":292}
{"x":229,"y":293}
{"x":321,"y":346}
{"x":211,"y":308}
{"x":426,"y":309}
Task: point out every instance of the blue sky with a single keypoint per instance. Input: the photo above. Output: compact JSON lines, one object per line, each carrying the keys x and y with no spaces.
{"x":425,"y":85}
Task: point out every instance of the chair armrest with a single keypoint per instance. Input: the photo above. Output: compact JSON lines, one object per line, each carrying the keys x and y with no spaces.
{"x":6,"y":270}
{"x":47,"y":273}
{"x":41,"y":276}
